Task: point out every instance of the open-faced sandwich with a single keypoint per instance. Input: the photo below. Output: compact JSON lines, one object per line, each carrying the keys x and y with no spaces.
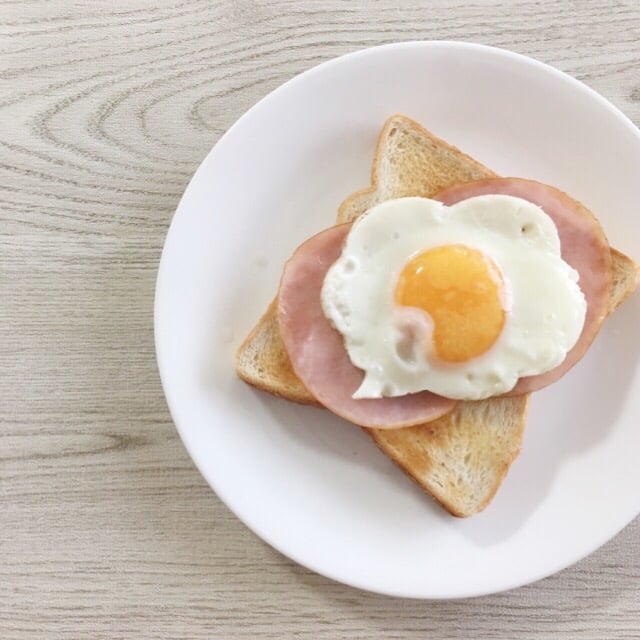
{"x":442,"y":298}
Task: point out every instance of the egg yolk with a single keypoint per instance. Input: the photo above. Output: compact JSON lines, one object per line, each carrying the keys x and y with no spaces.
{"x":460,"y":289}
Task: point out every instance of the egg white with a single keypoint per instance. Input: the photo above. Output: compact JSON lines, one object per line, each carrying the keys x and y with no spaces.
{"x":392,"y":344}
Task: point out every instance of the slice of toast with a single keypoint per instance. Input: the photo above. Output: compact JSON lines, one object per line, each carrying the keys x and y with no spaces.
{"x":461,"y":458}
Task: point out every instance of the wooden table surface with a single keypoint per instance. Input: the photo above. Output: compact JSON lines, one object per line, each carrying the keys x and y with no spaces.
{"x":107,"y":528}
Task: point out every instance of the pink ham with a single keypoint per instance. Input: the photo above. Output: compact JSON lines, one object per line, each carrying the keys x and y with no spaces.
{"x":317,"y":350}
{"x":584,"y":247}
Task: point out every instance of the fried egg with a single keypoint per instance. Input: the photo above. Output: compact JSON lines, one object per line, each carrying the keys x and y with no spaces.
{"x":461,"y":301}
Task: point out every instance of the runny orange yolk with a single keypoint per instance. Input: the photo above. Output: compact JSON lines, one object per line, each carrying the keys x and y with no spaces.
{"x":460,"y":289}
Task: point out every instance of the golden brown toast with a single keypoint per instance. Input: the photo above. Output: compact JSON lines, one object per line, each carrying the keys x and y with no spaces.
{"x":461,"y":458}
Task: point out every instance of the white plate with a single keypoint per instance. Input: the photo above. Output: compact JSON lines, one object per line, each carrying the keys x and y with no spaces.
{"x":316,"y":488}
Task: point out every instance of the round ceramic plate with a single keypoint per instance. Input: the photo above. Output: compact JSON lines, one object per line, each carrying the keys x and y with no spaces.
{"x":315,"y":487}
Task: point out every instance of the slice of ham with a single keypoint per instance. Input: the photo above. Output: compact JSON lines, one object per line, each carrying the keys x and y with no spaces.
{"x":583,"y":244}
{"x":317,"y":352}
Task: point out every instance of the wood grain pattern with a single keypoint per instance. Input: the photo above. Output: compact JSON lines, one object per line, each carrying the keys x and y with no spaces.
{"x":106,"y":108}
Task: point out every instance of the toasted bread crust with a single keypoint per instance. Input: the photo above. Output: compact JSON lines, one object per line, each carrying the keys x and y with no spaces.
{"x":494,"y":427}
{"x":262,"y":361}
{"x":430,"y":166}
